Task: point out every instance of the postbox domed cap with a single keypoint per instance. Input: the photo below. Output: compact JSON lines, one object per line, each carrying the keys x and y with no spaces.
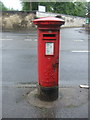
{"x":49,"y":19}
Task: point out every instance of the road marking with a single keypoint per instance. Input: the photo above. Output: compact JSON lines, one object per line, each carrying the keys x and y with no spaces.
{"x":78,"y":40}
{"x":84,"y":86}
{"x":27,"y":40}
{"x":26,"y":85}
{"x":35,"y":40}
{"x":20,"y":85}
{"x":6,"y":39}
{"x":78,"y":51}
{"x":30,"y":40}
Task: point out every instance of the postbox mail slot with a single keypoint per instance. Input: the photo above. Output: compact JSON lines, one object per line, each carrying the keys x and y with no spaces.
{"x":49,"y":36}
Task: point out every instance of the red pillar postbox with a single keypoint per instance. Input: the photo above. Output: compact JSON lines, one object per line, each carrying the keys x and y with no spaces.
{"x":48,"y":56}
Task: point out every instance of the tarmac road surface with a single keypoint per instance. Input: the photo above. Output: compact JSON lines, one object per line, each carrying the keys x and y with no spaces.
{"x":19,"y":68}
{"x":19,"y":57}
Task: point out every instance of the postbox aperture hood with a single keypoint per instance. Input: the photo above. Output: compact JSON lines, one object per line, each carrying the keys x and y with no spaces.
{"x":49,"y":21}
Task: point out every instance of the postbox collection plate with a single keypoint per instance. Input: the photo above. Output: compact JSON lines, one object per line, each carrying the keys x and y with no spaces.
{"x":49,"y":49}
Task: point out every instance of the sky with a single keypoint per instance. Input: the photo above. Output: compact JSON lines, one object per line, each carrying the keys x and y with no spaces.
{"x":15,"y":4}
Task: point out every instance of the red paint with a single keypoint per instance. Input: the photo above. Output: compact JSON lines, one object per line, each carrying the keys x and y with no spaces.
{"x":48,"y":31}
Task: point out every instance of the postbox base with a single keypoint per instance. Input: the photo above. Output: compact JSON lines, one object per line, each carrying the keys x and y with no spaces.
{"x":47,"y":93}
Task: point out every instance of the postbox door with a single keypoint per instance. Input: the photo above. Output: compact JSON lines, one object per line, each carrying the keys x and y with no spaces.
{"x":48,"y":58}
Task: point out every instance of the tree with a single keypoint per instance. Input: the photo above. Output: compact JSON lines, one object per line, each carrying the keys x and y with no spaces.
{"x":2,"y":7}
{"x":70,"y":8}
{"x":88,"y":7}
{"x":29,"y":6}
{"x":80,"y":9}
{"x":64,"y":7}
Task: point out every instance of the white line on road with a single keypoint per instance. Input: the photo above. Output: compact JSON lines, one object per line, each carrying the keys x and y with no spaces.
{"x":19,"y":85}
{"x":26,"y":85}
{"x":30,"y":40}
{"x":35,"y":40}
{"x":6,"y":39}
{"x":27,"y":40}
{"x":78,"y":51}
{"x":78,"y":40}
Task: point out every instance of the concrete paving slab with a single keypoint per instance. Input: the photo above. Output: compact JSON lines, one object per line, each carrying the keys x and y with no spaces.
{"x":23,"y":103}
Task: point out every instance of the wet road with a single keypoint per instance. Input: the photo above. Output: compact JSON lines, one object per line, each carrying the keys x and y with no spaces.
{"x":19,"y":56}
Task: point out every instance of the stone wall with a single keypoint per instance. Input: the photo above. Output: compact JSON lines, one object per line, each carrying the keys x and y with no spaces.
{"x":70,"y":21}
{"x":13,"y":20}
{"x":20,"y":20}
{"x":87,"y":27}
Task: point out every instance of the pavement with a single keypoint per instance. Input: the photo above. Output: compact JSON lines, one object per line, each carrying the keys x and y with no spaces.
{"x":19,"y":76}
{"x":21,"y":102}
